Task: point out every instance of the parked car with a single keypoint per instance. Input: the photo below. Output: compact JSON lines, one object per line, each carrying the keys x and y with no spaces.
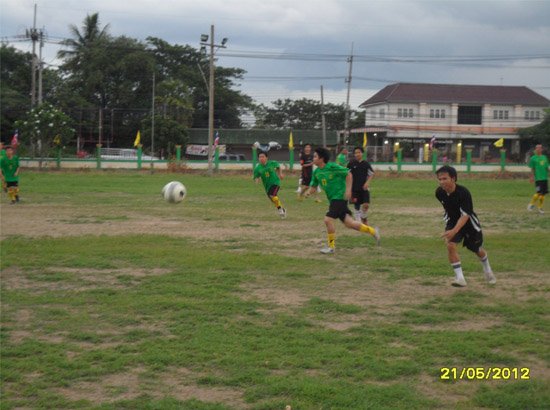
{"x":232,"y":157}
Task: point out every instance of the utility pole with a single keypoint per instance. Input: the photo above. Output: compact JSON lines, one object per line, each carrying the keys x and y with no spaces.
{"x":204,"y":39}
{"x":153,"y":124}
{"x":40,"y":67}
{"x":346,"y":120}
{"x":33,"y":34}
{"x":323,"y":119}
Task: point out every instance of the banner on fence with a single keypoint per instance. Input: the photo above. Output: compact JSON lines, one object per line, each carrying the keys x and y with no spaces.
{"x":201,"y":150}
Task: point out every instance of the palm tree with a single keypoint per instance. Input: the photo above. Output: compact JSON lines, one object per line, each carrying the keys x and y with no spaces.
{"x":82,"y":41}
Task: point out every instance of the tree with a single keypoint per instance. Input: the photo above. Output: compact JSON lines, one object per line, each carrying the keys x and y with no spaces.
{"x":48,"y":125}
{"x":538,"y":134}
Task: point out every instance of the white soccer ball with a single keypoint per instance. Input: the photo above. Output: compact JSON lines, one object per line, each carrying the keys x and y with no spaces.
{"x":174,"y":192}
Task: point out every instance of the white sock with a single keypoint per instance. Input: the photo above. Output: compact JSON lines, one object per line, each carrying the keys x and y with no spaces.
{"x":485,"y":263}
{"x":457,"y":267}
{"x":357,"y":215}
{"x":364,"y":213}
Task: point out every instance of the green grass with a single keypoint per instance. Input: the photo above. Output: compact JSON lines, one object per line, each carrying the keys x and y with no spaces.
{"x":219,"y":304}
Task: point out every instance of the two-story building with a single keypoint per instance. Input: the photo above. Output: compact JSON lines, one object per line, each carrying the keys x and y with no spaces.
{"x":474,"y":116}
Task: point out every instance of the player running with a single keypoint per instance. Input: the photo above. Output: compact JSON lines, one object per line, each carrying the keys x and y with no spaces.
{"x":306,"y":160}
{"x":462,"y":224}
{"x":362,"y":175}
{"x":271,"y":175}
{"x":539,"y":175}
{"x":336,"y":182}
{"x":9,"y":172}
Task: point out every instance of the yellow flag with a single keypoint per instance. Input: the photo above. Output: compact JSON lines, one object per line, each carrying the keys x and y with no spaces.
{"x":57,"y":140}
{"x":499,"y":143}
{"x":138,"y":138}
{"x":290,"y":143}
{"x":364,"y":139}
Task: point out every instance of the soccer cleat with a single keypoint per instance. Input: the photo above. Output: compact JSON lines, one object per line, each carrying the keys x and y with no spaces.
{"x":327,"y":249}
{"x":318,"y":200}
{"x":282,"y":212}
{"x":300,"y":197}
{"x":17,"y":198}
{"x":491,"y":280}
{"x":540,"y":211}
{"x":12,"y":202}
{"x":459,"y":283}
{"x":529,"y":207}
{"x":377,"y":235}
{"x":364,"y":221}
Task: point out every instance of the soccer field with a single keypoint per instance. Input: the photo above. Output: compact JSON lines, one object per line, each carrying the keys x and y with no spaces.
{"x":114,"y":299}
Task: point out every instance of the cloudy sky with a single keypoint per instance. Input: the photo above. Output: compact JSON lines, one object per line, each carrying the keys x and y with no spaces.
{"x":290,"y":48}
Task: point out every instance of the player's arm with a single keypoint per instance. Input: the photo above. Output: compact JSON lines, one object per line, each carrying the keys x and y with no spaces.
{"x":279,"y":172}
{"x":349,"y":182}
{"x":367,"y":183}
{"x":448,"y":235}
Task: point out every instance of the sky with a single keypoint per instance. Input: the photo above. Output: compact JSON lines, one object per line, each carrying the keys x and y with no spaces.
{"x":290,"y":48}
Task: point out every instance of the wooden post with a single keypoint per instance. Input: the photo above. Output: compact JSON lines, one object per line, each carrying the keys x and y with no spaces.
{"x":98,"y":156}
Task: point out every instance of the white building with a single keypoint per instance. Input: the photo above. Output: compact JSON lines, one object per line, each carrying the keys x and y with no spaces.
{"x":475,"y":115}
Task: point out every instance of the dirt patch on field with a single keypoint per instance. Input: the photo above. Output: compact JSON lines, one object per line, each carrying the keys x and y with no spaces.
{"x":178,"y":384}
{"x":36,"y":282}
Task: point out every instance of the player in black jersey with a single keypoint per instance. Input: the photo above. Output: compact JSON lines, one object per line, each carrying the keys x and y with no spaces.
{"x":362,"y":175}
{"x":306,"y":160}
{"x":462,"y":224}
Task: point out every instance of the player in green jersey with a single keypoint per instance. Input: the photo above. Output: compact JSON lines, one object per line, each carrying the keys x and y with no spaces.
{"x":341,"y":158}
{"x":336,"y":181}
{"x":2,"y":155}
{"x":539,"y":175}
{"x":9,"y":172}
{"x":270,"y":173}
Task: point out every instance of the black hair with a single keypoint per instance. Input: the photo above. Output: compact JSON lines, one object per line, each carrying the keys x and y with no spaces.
{"x":263,"y":152}
{"x":323,"y":153}
{"x":449,"y":170}
{"x":359,"y":148}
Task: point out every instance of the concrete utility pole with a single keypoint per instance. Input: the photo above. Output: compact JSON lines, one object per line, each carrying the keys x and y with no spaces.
{"x":204,"y":39}
{"x":346,"y":119}
{"x":153,"y":124}
{"x":33,"y":35}
{"x":323,"y":119}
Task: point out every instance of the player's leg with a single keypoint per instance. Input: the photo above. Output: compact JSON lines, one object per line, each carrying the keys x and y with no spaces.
{"x":331,"y":233}
{"x":361,"y":227}
{"x":357,"y":212}
{"x":484,"y":259}
{"x":365,"y":206}
{"x":541,"y":202}
{"x":11,"y":191}
{"x":273,"y":191}
{"x":16,"y":191}
{"x":454,"y":259}
{"x":543,"y":185}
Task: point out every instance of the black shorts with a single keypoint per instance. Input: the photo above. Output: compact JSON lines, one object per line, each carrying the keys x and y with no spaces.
{"x":10,"y":184}
{"x":273,"y":189}
{"x":541,"y":187}
{"x":306,"y":180}
{"x":473,"y":240}
{"x":338,"y":209}
{"x":360,"y":197}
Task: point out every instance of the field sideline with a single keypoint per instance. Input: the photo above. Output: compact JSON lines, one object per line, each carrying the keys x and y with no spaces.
{"x":115,"y":299}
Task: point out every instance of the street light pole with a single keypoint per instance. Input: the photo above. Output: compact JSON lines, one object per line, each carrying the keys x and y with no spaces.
{"x":204,"y":39}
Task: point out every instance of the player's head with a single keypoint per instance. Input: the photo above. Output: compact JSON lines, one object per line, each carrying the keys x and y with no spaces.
{"x":9,"y":151}
{"x":307,"y":148}
{"x":262,"y":157}
{"x":358,"y":153}
{"x":447,"y":176}
{"x":321,"y":154}
{"x":343,"y":150}
{"x":538,"y":149}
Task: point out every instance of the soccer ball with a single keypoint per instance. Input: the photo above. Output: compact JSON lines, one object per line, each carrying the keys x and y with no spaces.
{"x":174,"y":192}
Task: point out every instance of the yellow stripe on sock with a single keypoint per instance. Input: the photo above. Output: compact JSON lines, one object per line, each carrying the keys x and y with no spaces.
{"x":331,"y":237}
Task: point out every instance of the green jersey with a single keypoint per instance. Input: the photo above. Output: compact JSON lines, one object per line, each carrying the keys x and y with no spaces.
{"x":341,"y":159}
{"x":268,"y":174}
{"x":332,"y":179}
{"x":540,"y":164}
{"x":2,"y":154}
{"x":9,"y":166}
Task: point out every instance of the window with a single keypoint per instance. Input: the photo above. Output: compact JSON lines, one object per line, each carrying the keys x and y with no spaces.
{"x":436,"y":113}
{"x":373,"y":114}
{"x":382,"y":113}
{"x":432,"y":115}
{"x":469,"y":114}
{"x":500,"y":114}
{"x":410,"y":112}
{"x":506,"y":114}
{"x":399,"y":113}
{"x":532,"y":116}
{"x":537,"y":115}
{"x":526,"y":115}
{"x":442,"y":113}
{"x":405,"y":112}
{"x":495,"y":114}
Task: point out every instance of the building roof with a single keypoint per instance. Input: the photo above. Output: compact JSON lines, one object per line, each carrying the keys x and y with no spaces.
{"x":459,"y":94}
